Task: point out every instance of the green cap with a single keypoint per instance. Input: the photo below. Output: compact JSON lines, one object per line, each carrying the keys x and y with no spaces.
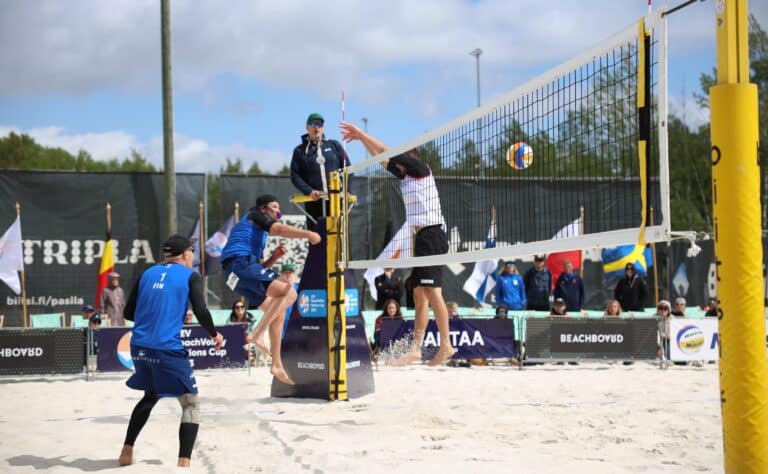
{"x":315,"y":116}
{"x":288,"y":268}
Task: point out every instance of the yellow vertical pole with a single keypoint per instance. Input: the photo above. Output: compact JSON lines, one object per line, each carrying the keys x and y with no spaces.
{"x":738,"y":247}
{"x":336,"y":316}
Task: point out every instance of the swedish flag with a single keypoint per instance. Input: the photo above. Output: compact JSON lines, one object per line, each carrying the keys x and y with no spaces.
{"x":616,"y":259}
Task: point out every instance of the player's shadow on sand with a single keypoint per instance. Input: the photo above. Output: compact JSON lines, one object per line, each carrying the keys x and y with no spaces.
{"x":87,"y":465}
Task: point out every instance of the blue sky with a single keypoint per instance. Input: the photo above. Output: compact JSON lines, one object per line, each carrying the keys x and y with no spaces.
{"x":85,"y":74}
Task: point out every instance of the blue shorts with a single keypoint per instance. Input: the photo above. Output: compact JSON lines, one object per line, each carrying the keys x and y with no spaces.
{"x":253,"y":278}
{"x":167,"y":373}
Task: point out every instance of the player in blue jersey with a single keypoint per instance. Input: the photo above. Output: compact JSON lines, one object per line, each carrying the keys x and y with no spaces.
{"x":249,"y":275}
{"x":157,"y":305}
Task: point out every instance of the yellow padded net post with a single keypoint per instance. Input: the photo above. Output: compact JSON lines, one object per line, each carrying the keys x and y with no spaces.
{"x":738,"y":247}
{"x":337,"y":325}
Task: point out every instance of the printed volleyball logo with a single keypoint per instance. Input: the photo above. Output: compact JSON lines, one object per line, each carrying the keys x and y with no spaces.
{"x":690,"y":339}
{"x":124,"y":351}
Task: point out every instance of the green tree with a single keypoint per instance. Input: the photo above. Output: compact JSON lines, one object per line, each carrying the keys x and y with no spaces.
{"x":284,"y":171}
{"x":255,"y":169}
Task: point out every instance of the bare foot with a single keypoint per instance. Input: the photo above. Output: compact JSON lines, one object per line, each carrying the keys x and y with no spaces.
{"x":442,"y":356}
{"x":183,"y":462}
{"x":262,"y":345}
{"x":126,"y":456}
{"x":281,"y":375}
{"x":408,"y":358}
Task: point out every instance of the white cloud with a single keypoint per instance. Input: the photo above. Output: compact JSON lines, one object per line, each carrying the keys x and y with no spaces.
{"x":79,"y":47}
{"x":190,"y":154}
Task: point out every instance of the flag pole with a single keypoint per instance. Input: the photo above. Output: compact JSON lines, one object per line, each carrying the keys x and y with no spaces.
{"x":201,"y":241}
{"x":24,"y":315}
{"x":581,"y":232}
{"x":237,"y":211}
{"x":109,"y":219}
{"x":655,"y":275}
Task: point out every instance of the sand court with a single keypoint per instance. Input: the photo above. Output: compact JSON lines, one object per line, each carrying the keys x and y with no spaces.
{"x":592,"y":418}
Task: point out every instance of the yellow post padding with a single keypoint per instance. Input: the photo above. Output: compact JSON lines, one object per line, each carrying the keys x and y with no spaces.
{"x":739,"y":257}
{"x":336,"y":315}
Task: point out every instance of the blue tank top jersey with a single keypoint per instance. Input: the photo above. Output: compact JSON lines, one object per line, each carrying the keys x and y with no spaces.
{"x":160,"y":307}
{"x":246,"y":239}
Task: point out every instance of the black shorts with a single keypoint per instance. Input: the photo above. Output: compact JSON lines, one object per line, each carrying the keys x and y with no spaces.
{"x":430,"y":240}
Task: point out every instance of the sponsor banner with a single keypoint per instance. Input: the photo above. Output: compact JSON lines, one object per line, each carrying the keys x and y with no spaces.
{"x":314,"y":303}
{"x":115,"y":348}
{"x":566,"y":338}
{"x":63,"y":232}
{"x":473,"y":338}
{"x":693,"y":339}
{"x":42,"y":351}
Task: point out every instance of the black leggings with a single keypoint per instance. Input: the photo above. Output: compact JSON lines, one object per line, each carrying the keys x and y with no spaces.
{"x":140,"y":416}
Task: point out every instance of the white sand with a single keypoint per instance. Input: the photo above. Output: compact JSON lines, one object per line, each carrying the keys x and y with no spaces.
{"x":591,"y":418}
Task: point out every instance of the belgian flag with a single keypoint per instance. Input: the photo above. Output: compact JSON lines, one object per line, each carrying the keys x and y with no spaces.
{"x":106,"y":267}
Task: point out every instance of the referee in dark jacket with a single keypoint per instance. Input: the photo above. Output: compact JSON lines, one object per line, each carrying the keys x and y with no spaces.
{"x":306,"y":171}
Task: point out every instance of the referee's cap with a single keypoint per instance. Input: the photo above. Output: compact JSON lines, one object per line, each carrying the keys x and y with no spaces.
{"x":176,"y":245}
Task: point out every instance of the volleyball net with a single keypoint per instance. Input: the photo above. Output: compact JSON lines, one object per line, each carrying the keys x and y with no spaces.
{"x":578,"y":153}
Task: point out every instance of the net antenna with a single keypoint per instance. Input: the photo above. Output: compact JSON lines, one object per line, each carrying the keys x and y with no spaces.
{"x":590,"y":132}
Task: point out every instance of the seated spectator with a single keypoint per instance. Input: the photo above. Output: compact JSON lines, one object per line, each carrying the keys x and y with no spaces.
{"x":711,"y":308}
{"x":189,"y":316}
{"x":391,"y":312}
{"x":559,"y":308}
{"x":239,"y":313}
{"x":501,"y":312}
{"x":388,"y":287}
{"x":288,"y":274}
{"x":87,"y":311}
{"x":662,"y":315}
{"x":679,"y":309}
{"x":453,"y":310}
{"x":612,"y":309}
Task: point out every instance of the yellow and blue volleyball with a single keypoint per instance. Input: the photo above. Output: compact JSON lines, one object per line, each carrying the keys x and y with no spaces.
{"x":520,"y":156}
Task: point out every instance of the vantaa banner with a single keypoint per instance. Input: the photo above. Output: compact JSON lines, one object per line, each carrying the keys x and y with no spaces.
{"x":474,"y":338}
{"x":693,"y":339}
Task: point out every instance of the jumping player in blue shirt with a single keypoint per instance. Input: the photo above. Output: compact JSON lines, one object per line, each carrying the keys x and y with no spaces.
{"x":249,"y":275}
{"x":157,"y":305}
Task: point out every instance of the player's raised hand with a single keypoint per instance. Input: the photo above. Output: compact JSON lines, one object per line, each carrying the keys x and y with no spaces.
{"x":350,"y":132}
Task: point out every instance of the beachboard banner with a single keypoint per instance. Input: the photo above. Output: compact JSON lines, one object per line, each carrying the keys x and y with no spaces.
{"x":42,"y":351}
{"x":114,"y":348}
{"x":693,"y":339}
{"x":571,"y":339}
{"x":473,"y":338}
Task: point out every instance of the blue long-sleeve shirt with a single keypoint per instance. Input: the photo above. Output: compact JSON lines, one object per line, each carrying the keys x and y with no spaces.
{"x":510,"y":291}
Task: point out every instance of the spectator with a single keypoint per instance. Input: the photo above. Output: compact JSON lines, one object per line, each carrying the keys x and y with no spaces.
{"x":570,"y":288}
{"x":631,"y":290}
{"x":87,"y":311}
{"x":112,"y":302}
{"x":391,"y":312}
{"x":538,"y":285}
{"x":239,"y":313}
{"x":662,"y":315}
{"x":189,"y":316}
{"x":612,"y":309}
{"x":453,"y":310}
{"x":94,"y":324}
{"x":712,"y":308}
{"x":388,"y":287}
{"x":501,"y":312}
{"x":679,"y":309}
{"x":510,"y":289}
{"x":306,"y":174}
{"x":560,"y":308}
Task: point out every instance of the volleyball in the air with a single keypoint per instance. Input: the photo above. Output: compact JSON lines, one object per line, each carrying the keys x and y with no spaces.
{"x":520,"y":156}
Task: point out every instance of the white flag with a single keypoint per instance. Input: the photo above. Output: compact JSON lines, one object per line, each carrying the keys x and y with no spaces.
{"x":399,"y":246}
{"x":483,"y":278}
{"x":11,"y":262}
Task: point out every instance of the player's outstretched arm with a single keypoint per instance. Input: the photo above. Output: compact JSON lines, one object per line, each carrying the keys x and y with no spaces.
{"x":374,"y":146}
{"x":291,"y":232}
